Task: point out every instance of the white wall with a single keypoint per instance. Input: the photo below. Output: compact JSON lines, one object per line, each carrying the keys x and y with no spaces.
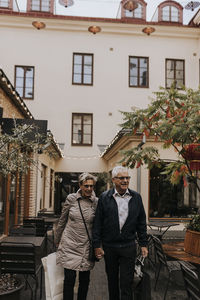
{"x":50,"y":51}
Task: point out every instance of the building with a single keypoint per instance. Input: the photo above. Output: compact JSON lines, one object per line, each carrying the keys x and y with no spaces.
{"x":80,"y":72}
{"x":24,"y":194}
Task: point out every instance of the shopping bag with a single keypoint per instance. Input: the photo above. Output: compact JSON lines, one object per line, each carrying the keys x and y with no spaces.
{"x":142,"y":287}
{"x":54,"y":276}
{"x":142,"y":281}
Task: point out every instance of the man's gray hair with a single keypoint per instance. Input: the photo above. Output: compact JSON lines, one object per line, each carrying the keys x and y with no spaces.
{"x":119,"y":169}
{"x":86,"y":176}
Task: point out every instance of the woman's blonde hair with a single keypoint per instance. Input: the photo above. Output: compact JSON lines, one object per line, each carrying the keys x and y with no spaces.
{"x":86,"y":176}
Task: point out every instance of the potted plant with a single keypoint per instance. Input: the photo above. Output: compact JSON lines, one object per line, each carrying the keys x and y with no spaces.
{"x":192,"y":236}
{"x":172,"y":119}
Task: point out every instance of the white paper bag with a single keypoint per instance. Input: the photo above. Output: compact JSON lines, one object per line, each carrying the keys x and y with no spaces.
{"x":54,"y":276}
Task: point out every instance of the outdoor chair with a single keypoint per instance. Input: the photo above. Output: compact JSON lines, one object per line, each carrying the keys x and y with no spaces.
{"x":21,"y":230}
{"x":20,"y":258}
{"x":151,"y":252}
{"x":38,"y":223}
{"x":192,"y":282}
{"x":41,"y":230}
{"x":171,"y":266}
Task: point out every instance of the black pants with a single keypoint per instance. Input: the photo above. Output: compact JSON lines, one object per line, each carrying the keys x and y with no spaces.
{"x":120,"y":263}
{"x":69,"y":282}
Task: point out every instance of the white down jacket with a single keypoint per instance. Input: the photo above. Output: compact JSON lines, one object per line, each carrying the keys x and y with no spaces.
{"x":73,"y":249}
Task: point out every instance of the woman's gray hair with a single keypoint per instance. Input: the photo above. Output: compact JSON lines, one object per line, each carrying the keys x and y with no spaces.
{"x":119,"y":169}
{"x":86,"y":176}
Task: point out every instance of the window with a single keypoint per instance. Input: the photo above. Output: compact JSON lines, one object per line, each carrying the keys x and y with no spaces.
{"x":41,"y":5}
{"x":82,"y":129}
{"x":138,"y":71}
{"x":136,"y":13}
{"x":171,"y":201}
{"x":82,"y":69}
{"x":170,"y":13}
{"x":43,"y":181}
{"x":175,"y":73}
{"x":51,"y":188}
{"x":4,"y":3}
{"x":24,"y":81}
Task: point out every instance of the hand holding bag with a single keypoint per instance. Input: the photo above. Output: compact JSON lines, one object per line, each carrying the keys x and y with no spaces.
{"x":91,"y":256}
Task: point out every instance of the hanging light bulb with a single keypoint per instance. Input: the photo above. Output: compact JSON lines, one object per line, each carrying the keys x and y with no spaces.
{"x":130,"y":5}
{"x":66,"y":3}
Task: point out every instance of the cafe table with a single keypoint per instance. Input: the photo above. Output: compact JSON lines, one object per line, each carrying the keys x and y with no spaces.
{"x":176,"y":251}
{"x":161,"y":227}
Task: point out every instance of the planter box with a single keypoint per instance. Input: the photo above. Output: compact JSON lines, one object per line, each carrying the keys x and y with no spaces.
{"x":192,"y":242}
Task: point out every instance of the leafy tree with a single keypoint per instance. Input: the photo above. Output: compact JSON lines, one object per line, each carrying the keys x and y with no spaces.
{"x":173,"y":118}
{"x":17,"y":149}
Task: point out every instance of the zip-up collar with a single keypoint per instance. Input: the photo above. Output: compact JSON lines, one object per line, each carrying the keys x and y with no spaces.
{"x":79,"y":196}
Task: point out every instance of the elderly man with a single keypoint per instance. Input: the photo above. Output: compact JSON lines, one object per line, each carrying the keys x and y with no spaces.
{"x":119,"y":216}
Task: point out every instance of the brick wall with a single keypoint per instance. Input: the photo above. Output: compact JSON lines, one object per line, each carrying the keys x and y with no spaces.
{"x":9,"y":109}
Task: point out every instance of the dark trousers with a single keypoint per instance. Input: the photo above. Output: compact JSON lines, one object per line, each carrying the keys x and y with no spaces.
{"x":69,"y":282}
{"x":120,"y":264}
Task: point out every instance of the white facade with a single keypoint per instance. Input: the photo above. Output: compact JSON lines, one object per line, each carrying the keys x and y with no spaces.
{"x":50,"y":52}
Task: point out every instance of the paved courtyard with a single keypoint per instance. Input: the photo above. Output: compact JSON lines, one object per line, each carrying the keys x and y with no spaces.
{"x":98,"y":286}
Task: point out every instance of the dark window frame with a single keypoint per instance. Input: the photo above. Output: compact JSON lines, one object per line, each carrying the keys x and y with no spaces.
{"x":138,"y":72}
{"x":175,"y":61}
{"x":24,"y":81}
{"x":82,"y":131}
{"x":82,"y":69}
{"x":166,"y":201}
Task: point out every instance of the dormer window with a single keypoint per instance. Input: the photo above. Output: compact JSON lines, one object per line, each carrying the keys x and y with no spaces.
{"x":40,"y":6}
{"x":170,"y":11}
{"x":6,"y":4}
{"x":137,"y":13}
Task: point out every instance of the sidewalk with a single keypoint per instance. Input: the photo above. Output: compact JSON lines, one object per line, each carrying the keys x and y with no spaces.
{"x":98,"y":286}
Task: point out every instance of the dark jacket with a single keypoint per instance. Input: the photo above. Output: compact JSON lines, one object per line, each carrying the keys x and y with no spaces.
{"x":106,"y":230}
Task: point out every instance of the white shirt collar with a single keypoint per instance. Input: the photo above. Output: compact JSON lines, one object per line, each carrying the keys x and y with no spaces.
{"x":117,"y":194}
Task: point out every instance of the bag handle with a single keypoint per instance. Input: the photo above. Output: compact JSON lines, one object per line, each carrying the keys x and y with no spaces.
{"x":84,"y":222}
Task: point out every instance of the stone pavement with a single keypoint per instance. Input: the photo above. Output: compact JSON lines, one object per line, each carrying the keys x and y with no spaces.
{"x":98,"y":286}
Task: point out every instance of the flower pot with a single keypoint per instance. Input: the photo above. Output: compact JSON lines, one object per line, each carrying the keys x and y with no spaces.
{"x":14,"y":293}
{"x":192,"y":242}
{"x":192,"y":154}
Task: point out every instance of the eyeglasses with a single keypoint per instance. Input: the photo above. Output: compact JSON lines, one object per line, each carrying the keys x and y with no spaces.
{"x":123,"y":177}
{"x":88,"y":186}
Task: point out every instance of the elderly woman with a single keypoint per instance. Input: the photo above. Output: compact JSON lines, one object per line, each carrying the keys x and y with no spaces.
{"x":72,"y":238}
